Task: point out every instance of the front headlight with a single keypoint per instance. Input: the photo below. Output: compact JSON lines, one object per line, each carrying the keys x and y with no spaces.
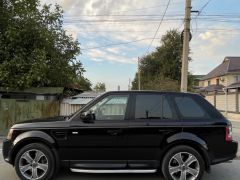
{"x":10,"y":132}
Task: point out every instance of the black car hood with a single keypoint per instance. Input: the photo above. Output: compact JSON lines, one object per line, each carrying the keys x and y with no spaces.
{"x":52,"y":122}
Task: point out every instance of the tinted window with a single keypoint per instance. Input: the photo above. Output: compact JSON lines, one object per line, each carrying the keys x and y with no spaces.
{"x":148,"y":107}
{"x":189,"y":108}
{"x":167,"y":111}
{"x":112,"y":107}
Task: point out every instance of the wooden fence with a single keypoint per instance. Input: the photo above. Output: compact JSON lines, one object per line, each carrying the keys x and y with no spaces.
{"x":13,"y":111}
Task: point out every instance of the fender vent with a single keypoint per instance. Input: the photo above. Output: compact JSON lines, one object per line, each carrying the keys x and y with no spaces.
{"x":59,"y":134}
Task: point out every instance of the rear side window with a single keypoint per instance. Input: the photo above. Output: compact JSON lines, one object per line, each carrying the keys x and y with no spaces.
{"x":190,"y":109}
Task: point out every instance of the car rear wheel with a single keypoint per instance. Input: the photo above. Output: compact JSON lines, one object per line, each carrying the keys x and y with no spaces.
{"x":35,"y":161}
{"x":183,"y":163}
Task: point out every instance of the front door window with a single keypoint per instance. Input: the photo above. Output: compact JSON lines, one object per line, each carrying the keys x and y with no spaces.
{"x":112,"y":107}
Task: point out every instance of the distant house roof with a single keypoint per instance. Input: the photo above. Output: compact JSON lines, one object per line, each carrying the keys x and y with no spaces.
{"x":198,"y":77}
{"x":228,"y":66}
{"x":234,"y":85}
{"x":35,"y":90}
{"x":82,"y":99}
{"x":211,"y":88}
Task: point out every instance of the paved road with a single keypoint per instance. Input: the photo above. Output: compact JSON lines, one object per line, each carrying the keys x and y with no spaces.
{"x":226,"y":171}
{"x":236,"y":135}
{"x":229,"y":171}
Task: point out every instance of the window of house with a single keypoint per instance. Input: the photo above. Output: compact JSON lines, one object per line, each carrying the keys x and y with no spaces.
{"x":189,"y":108}
{"x":209,"y":83}
{"x":217,"y":81}
{"x":237,"y":78}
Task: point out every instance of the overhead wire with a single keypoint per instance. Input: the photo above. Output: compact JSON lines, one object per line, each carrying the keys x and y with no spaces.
{"x":160,"y":23}
{"x":115,"y":44}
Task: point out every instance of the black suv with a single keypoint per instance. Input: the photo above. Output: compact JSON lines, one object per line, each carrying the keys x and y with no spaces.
{"x":179,"y":134}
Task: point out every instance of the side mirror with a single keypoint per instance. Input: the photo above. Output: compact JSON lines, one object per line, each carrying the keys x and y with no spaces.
{"x":87,"y":117}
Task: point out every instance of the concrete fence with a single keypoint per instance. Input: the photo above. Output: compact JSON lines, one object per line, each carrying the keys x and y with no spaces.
{"x":226,"y":102}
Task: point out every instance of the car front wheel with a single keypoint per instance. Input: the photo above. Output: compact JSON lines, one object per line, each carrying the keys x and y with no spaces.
{"x":35,"y":161}
{"x":183,"y":163}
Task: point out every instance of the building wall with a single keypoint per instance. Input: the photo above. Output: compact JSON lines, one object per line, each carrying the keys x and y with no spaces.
{"x":228,"y":79}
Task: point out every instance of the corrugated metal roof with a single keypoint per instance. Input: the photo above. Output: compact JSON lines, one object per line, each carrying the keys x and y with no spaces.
{"x":229,"y":65}
{"x":82,"y":99}
{"x":35,"y":90}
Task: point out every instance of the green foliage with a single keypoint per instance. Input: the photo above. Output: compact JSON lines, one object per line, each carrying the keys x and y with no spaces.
{"x":100,"y":87}
{"x":84,"y":83}
{"x":161,"y":69}
{"x":34,"y":48}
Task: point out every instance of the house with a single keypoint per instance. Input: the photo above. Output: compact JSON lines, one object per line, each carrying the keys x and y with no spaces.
{"x":225,"y":75}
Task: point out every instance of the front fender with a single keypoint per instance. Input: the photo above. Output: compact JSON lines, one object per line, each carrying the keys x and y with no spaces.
{"x":34,"y":135}
{"x":29,"y":137}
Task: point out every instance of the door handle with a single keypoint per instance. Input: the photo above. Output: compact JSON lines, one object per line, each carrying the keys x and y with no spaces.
{"x":114,"y":132}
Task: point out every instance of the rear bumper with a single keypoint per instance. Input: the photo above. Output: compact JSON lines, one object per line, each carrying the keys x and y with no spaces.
{"x":231,"y":152}
{"x":7,"y":151}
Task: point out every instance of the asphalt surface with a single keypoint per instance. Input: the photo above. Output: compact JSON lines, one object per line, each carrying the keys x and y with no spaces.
{"x":224,"y":171}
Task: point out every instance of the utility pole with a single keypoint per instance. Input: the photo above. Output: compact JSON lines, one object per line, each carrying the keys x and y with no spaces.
{"x":129,"y":84}
{"x":139,"y":75}
{"x":186,"y":32}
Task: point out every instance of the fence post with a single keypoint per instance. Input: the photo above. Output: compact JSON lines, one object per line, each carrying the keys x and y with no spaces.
{"x":214,"y":98}
{"x":237,"y":101}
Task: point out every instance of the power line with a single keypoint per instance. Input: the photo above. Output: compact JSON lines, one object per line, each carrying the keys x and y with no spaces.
{"x":115,"y":44}
{"x":121,"y":20}
{"x":158,"y":26}
{"x":200,"y":11}
{"x":139,"y":9}
{"x":203,"y":7}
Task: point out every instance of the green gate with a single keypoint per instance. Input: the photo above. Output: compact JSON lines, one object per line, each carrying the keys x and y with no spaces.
{"x":13,"y":111}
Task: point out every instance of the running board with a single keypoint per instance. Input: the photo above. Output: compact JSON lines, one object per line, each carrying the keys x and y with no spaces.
{"x":113,"y":171}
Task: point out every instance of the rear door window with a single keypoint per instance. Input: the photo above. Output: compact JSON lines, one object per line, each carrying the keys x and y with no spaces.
{"x":153,"y":106}
{"x":148,"y":106}
{"x":166,"y":109}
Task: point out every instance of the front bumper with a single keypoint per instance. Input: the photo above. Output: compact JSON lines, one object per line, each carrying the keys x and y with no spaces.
{"x":7,"y":151}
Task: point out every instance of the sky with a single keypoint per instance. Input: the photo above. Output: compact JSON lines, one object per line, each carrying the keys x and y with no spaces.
{"x":105,"y":28}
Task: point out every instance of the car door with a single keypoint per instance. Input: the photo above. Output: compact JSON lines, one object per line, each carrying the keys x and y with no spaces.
{"x":152,"y":121}
{"x":100,"y":143}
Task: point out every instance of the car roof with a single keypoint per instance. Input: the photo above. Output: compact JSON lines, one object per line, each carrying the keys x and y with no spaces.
{"x":152,"y":91}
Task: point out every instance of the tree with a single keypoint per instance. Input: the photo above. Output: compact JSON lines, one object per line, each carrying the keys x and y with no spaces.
{"x":100,"y":87}
{"x":161,"y":69}
{"x":34,"y":48}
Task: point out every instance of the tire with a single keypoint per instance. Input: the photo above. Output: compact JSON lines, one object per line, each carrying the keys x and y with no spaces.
{"x":175,"y":165}
{"x":35,"y":161}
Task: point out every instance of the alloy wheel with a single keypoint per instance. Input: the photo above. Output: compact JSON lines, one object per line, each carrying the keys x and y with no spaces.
{"x":184,"y":166}
{"x":33,"y":164}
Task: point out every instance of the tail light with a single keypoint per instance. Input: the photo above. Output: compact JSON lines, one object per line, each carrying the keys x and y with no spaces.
{"x":229,"y":133}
